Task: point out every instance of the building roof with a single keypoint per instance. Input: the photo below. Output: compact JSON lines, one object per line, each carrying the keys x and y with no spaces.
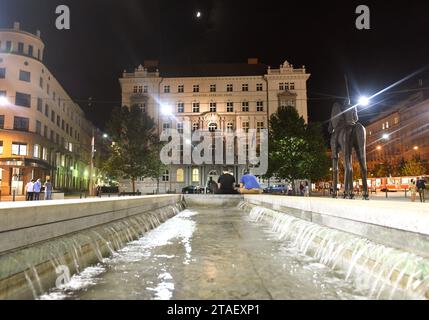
{"x":212,"y":70}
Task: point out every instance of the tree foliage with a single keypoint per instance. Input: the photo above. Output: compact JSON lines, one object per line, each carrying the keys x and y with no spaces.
{"x":134,"y":150}
{"x":297,"y":150}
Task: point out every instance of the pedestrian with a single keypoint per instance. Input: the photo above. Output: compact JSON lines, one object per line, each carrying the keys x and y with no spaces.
{"x":48,"y":190}
{"x":301,"y":189}
{"x":29,"y":189}
{"x":307,"y":189}
{"x":249,"y":184}
{"x":37,"y":187}
{"x":212,"y":186}
{"x":413,"y":189}
{"x":420,"y":184}
{"x":226,"y":183}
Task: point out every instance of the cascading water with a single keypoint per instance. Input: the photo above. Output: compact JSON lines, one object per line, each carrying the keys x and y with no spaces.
{"x":77,"y":251}
{"x":383,"y":272}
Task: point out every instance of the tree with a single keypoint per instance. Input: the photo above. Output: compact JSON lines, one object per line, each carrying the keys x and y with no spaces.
{"x":297,"y":150}
{"x":413,"y":167}
{"x":134,"y":151}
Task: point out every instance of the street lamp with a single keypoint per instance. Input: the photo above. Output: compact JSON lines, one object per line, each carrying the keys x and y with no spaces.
{"x":3,"y":101}
{"x":416,"y":148}
{"x":385,"y":136}
{"x":364,"y":101}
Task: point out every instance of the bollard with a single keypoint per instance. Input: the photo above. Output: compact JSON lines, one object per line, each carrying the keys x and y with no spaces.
{"x":405,"y":193}
{"x":81,"y":196}
{"x":13,"y":195}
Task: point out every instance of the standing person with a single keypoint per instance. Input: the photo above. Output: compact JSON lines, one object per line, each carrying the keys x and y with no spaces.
{"x":226,"y":183}
{"x":301,"y":189}
{"x":421,"y":189}
{"x":413,"y":189}
{"x":48,"y":190}
{"x":29,"y":189}
{"x":37,"y":187}
{"x":249,"y":184}
{"x":212,"y":185}
{"x":306,"y":189}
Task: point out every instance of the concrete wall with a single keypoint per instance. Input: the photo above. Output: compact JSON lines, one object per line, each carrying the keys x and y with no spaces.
{"x":395,"y":224}
{"x":24,"y":224}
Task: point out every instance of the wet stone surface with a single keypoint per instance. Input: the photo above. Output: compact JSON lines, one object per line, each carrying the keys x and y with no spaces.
{"x":208,"y":254}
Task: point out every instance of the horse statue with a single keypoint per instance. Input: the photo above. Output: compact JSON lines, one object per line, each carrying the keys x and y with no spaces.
{"x":347,"y":134}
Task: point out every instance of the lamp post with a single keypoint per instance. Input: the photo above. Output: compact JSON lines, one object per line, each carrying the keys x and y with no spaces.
{"x":91,"y":166}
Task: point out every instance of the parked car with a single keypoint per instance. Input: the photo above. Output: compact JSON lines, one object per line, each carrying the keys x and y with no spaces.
{"x":192,"y":190}
{"x":277,"y":188}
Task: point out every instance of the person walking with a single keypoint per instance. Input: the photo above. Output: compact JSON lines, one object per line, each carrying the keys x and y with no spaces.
{"x":249,"y":184}
{"x":29,"y":189}
{"x":307,"y":189}
{"x":413,"y":190}
{"x":48,"y":190}
{"x":37,"y":187}
{"x":421,"y":189}
{"x":301,"y":189}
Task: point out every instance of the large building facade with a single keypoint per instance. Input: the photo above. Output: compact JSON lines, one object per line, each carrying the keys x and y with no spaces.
{"x":400,"y":134}
{"x":223,"y":97}
{"x":43,"y":133}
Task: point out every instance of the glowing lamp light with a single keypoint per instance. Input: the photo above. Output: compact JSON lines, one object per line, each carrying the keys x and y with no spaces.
{"x":416,"y":148}
{"x":378,"y":147}
{"x":105,"y":136}
{"x":166,"y":110}
{"x":3,"y":101}
{"x":198,"y":14}
{"x":385,"y":136}
{"x":363,"y":101}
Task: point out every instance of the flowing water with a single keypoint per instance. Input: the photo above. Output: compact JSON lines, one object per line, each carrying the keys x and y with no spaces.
{"x":223,"y":253}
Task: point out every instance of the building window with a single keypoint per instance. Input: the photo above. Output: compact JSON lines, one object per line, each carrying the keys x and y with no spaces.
{"x":196,"y":107}
{"x":48,"y":88}
{"x":281,"y":86}
{"x":245,"y":87}
{"x":20,"y":47}
{"x":229,"y":88}
{"x":135,"y":89}
{"x":387,"y":124}
{"x":53,"y":116}
{"x":24,"y":76}
{"x":260,"y":106}
{"x":30,"y":50}
{"x":145,"y":89}
{"x":180,"y":175}
{"x":245,"y":126}
{"x":21,"y":124}
{"x":196,"y":88}
{"x":41,"y":82}
{"x":180,"y":127}
{"x":2,"y":73}
{"x":195,"y":126}
{"x":38,"y":127}
{"x":212,"y":106}
{"x":230,"y":107}
{"x":166,"y":125}
{"x":245,"y":106}
{"x":58,"y":121}
{"x":45,"y":154}
{"x":166,"y":89}
{"x":195,"y":175}
{"x":292,"y":86}
{"x":2,"y":122}
{"x":259,"y":87}
{"x":180,"y":107}
{"x":229,"y":127}
{"x":8,"y":46}
{"x":212,"y":88}
{"x":396,"y":120}
{"x":45,"y":131}
{"x":46,"y":110}
{"x":1,"y":148}
{"x":212,"y":127}
{"x":259,"y":125}
{"x":23,"y":100}
{"x":166,"y":176}
{"x":19,"y":149}
{"x":36,"y":151}
{"x":180,"y":88}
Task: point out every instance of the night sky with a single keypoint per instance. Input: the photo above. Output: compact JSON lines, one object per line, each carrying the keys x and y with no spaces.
{"x":108,"y":36}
